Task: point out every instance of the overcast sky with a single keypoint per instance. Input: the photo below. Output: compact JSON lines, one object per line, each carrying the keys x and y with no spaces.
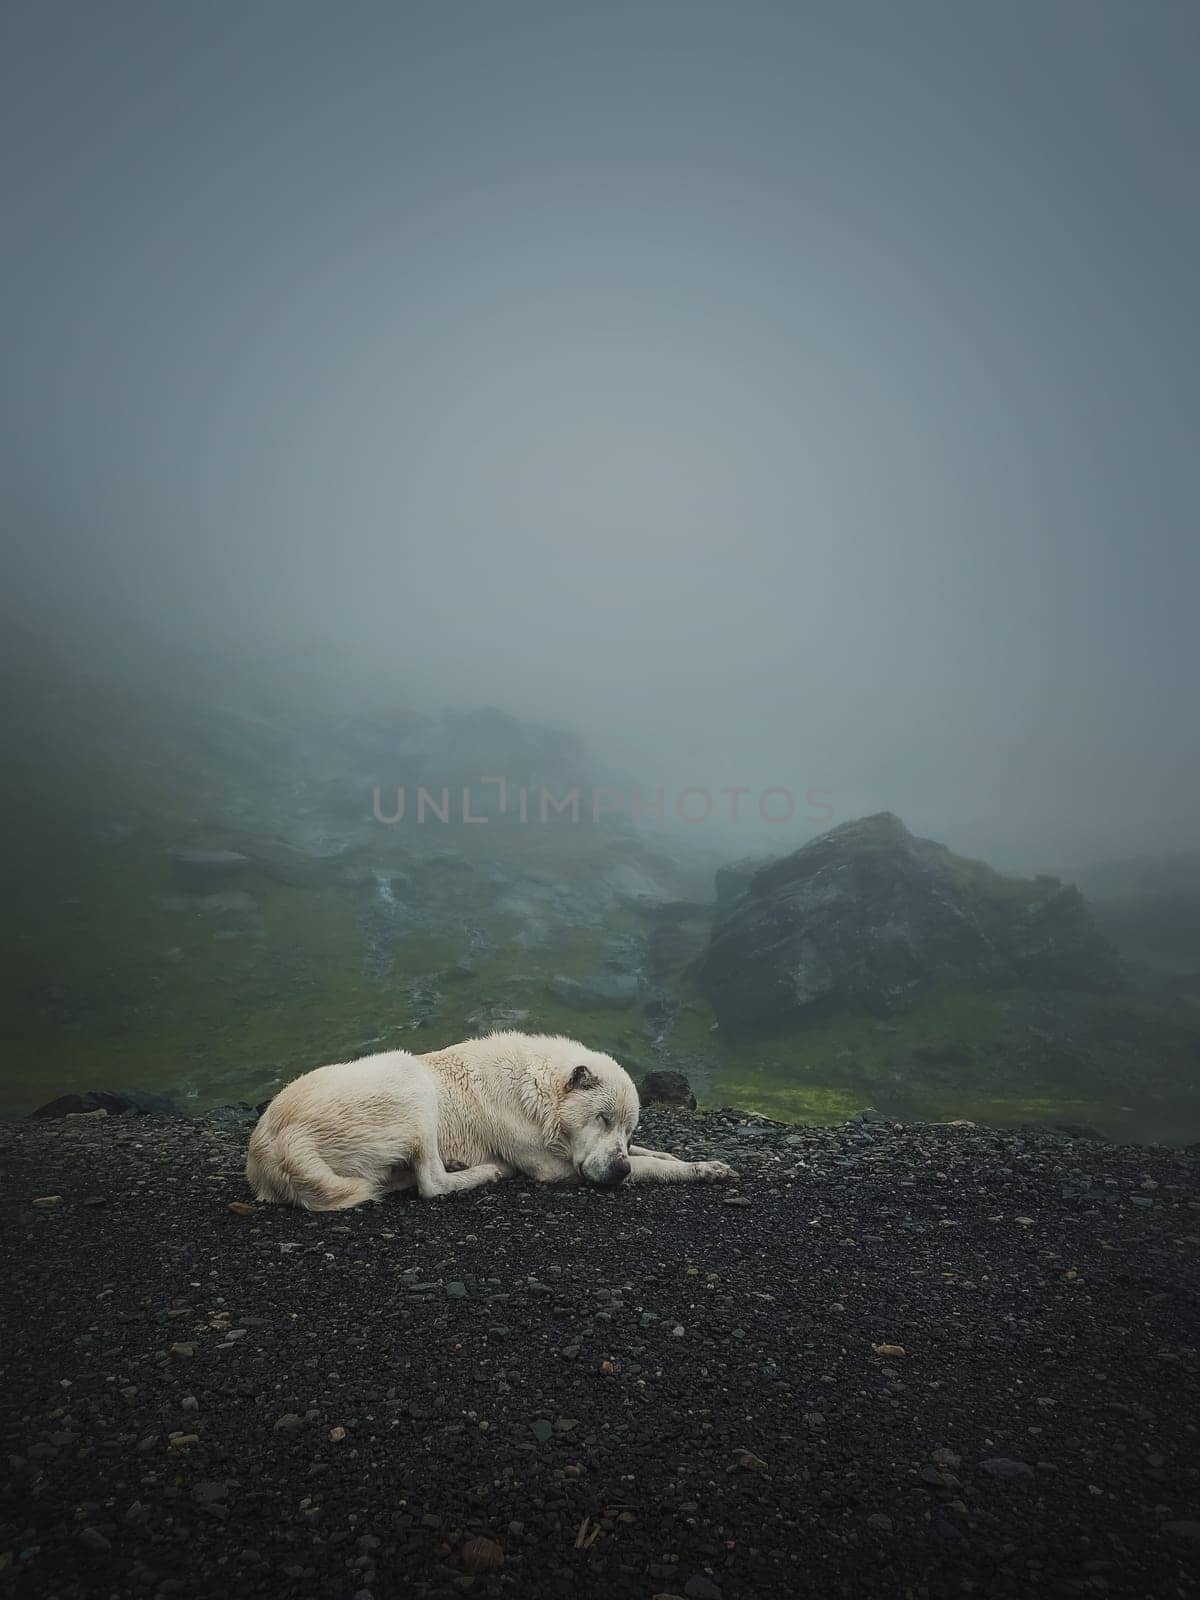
{"x":782,"y":393}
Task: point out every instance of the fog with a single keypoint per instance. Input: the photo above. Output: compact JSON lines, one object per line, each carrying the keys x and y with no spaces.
{"x":788,"y":394}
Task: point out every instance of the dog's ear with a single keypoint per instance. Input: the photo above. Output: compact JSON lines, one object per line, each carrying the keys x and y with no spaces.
{"x":582,"y":1078}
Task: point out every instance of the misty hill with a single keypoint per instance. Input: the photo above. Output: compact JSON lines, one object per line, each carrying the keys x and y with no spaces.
{"x":868,"y":917}
{"x":201,"y":895}
{"x":201,"y":902}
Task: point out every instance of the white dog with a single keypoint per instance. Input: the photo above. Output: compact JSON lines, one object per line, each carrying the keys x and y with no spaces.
{"x":546,"y":1107}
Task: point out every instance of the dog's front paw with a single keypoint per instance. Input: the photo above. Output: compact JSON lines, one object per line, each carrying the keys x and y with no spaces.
{"x":715,"y":1172}
{"x":499,"y":1169}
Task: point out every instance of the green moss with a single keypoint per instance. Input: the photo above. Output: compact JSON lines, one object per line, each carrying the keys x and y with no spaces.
{"x":978,"y":879}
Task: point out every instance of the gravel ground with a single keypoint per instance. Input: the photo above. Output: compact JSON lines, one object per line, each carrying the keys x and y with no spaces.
{"x":909,"y":1362}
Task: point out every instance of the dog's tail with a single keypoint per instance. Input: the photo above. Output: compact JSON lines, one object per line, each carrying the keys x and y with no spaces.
{"x":284,"y":1165}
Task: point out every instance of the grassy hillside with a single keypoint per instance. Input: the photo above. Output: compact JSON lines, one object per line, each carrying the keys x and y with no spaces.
{"x":118,"y":976}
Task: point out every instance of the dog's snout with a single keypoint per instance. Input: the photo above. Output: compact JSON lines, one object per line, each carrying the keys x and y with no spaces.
{"x":618,"y":1171}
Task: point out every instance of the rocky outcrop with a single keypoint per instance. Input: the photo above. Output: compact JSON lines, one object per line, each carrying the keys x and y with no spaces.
{"x":109,"y":1101}
{"x":666,"y":1089}
{"x":601,"y":991}
{"x":868,"y":916}
{"x":735,"y":877}
{"x":285,"y":863}
{"x":200,"y":869}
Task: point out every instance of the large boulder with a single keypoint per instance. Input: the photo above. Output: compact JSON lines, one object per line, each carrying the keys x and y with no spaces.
{"x":867,"y":917}
{"x":141,"y":1102}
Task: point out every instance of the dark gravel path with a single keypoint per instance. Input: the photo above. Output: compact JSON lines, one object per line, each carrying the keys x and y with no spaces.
{"x":657,"y":1392}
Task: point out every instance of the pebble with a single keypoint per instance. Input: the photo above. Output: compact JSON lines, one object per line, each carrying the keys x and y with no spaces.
{"x":700,"y":1587}
{"x":1006,"y":1467}
{"x":481,"y":1555}
{"x":937,"y":1479}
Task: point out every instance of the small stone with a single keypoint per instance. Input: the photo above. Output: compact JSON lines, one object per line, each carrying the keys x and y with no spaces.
{"x":1005,"y":1467}
{"x":337,"y":1434}
{"x":736,"y":1200}
{"x":937,"y":1479}
{"x":290,"y":1422}
{"x":181,"y":1441}
{"x":182,"y":1352}
{"x":541,"y":1430}
{"x":748,"y":1461}
{"x":93,"y":1202}
{"x":894,"y":1352}
{"x":242,"y":1208}
{"x":189,"y":1403}
{"x":481,"y":1555}
{"x":46,"y":1201}
{"x":879,"y":1521}
{"x":456,"y":1290}
{"x":93,"y":1539}
{"x":699,"y":1587}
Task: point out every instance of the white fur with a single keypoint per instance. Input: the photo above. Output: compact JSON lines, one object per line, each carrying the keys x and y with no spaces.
{"x":541,"y":1105}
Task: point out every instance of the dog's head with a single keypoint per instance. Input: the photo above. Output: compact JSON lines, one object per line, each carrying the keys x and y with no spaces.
{"x":598,"y":1112}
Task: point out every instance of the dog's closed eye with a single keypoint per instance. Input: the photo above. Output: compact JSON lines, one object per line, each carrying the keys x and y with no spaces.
{"x":603,"y":1118}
